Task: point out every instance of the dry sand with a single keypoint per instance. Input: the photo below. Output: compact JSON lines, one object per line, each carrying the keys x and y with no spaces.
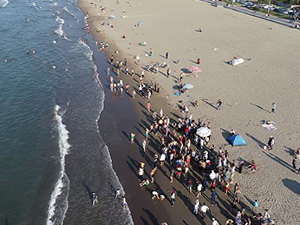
{"x":270,"y":73}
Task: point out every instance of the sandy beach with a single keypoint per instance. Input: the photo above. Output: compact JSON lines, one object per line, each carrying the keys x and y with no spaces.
{"x":270,"y":74}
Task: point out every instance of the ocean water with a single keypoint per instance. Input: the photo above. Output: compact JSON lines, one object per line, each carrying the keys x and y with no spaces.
{"x":47,"y":99}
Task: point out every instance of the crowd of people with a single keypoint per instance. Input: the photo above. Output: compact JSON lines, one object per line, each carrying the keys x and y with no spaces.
{"x":182,"y":150}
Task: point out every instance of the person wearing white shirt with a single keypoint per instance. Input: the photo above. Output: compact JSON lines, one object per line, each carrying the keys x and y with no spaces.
{"x":204,"y":209}
{"x":214,"y":222}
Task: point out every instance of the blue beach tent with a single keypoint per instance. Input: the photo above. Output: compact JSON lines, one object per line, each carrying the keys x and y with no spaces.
{"x":237,"y":140}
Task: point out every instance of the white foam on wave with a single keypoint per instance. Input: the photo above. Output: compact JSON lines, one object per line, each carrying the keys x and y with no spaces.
{"x":59,"y":20}
{"x":33,"y":4}
{"x":81,"y":46}
{"x":59,"y":30}
{"x":63,"y":181}
{"x":107,"y":156}
{"x":54,"y":4}
{"x":67,"y":11}
{"x":3,"y":3}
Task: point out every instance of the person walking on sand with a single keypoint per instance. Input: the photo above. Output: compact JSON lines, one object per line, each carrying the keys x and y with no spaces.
{"x":132,"y":136}
{"x":149,"y":106}
{"x":219,"y":104}
{"x":271,"y":142}
{"x":196,"y":206}
{"x":198,"y":61}
{"x":173,"y":196}
{"x":273,"y":108}
{"x":94,"y":198}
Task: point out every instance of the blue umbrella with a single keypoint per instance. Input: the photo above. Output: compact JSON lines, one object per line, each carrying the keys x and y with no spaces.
{"x":188,"y":86}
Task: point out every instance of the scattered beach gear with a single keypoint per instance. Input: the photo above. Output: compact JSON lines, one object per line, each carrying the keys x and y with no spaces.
{"x":188,"y":86}
{"x":269,"y":124}
{"x":237,"y":61}
{"x":237,"y":140}
{"x":203,"y":132}
{"x":112,"y":16}
{"x":144,"y":43}
{"x":194,"y":69}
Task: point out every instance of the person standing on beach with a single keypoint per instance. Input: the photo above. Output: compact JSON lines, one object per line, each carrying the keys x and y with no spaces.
{"x":271,"y":142}
{"x":111,"y":59}
{"x":172,"y":176}
{"x":204,"y":209}
{"x":132,"y":136}
{"x":149,"y":106}
{"x":94,"y":198}
{"x":199,"y":189}
{"x":294,"y":163}
{"x":161,"y":113}
{"x":196,"y":206}
{"x":219,"y":104}
{"x":167,"y":55}
{"x":190,"y":185}
{"x":168,"y":72}
{"x":213,"y":196}
{"x":124,"y":203}
{"x":151,"y":52}
{"x":118,"y":193}
{"x":198,"y":61}
{"x":133,"y":94}
{"x":173,"y":196}
{"x":273,"y":108}
{"x":144,"y":143}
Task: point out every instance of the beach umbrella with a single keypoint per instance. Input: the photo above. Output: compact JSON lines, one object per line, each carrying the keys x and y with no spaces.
{"x":203,"y":132}
{"x":188,"y":86}
{"x":195,"y":69}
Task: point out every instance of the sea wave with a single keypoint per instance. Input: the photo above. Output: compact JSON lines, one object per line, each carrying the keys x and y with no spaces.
{"x":82,"y":47}
{"x":33,"y":4}
{"x":59,"y":20}
{"x":58,"y":203}
{"x":3,"y":3}
{"x":67,"y":11}
{"x":59,"y":30}
{"x":109,"y":163}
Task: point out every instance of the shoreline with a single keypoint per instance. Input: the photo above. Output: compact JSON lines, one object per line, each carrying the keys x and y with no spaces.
{"x":139,"y":106}
{"x":143,"y":209}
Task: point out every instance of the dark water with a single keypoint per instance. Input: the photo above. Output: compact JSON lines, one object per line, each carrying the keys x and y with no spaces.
{"x":41,"y":96}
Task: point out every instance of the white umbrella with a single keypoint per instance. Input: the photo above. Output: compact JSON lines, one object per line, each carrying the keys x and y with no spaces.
{"x":188,"y":86}
{"x":203,"y":132}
